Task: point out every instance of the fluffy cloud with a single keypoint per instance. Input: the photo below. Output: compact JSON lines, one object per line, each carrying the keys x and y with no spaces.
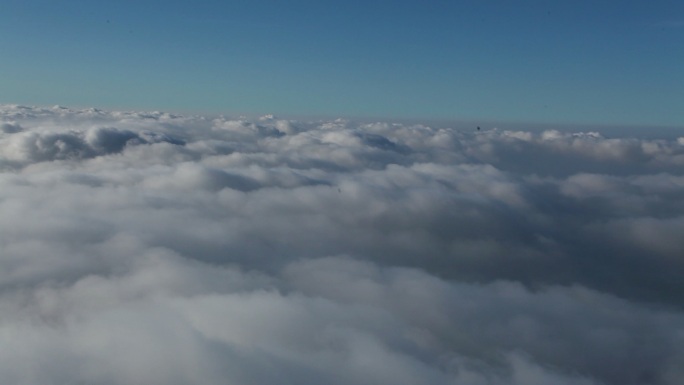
{"x":158,"y":248}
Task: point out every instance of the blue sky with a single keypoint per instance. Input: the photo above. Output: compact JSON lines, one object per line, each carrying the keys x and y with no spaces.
{"x":594,"y":62}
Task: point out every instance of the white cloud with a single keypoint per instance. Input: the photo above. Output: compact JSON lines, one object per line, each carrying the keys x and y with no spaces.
{"x":157,"y":248}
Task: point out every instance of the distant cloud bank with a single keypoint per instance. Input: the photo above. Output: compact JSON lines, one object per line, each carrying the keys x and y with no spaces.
{"x":152,"y":248}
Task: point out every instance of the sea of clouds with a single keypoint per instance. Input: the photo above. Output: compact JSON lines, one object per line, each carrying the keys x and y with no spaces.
{"x":152,"y":248}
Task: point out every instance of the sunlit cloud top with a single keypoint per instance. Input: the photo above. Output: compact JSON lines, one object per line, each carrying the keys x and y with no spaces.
{"x":157,"y":248}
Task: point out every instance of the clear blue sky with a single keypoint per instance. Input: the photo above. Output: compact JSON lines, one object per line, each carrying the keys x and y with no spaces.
{"x":611,"y":62}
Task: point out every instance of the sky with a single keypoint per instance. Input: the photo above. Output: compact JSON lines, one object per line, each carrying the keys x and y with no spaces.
{"x":580,"y":62}
{"x":156,"y":248}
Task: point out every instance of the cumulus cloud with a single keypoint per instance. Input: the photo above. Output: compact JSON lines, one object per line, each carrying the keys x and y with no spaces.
{"x":147,"y":247}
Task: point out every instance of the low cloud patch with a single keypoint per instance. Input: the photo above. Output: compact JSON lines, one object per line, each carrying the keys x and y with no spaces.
{"x":147,"y":247}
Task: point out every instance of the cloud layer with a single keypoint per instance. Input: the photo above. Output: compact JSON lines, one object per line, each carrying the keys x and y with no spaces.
{"x":164,"y":249}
